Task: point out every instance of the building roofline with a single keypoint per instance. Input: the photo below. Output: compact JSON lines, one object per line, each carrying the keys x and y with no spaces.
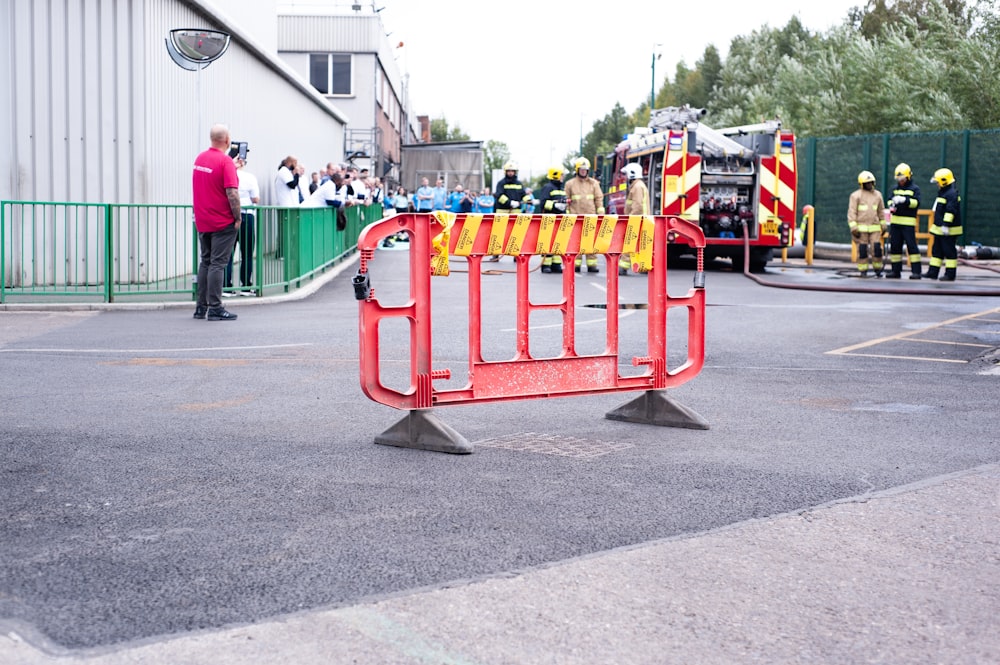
{"x":271,"y":60}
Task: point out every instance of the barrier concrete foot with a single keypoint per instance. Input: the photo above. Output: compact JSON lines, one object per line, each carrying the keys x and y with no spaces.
{"x":423,"y":430}
{"x":653,"y":407}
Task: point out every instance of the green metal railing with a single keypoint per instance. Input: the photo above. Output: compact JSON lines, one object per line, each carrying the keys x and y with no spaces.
{"x":106,"y":252}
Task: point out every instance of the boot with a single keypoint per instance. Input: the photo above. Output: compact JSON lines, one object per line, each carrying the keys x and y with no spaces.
{"x":949,"y":274}
{"x":932,"y":272}
{"x":896,"y":272}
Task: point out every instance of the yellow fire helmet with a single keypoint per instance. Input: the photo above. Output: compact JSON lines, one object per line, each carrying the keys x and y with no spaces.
{"x":555,"y":173}
{"x":903,"y":171}
{"x":510,"y":166}
{"x":866,"y":176}
{"x":943,"y":177}
{"x":581,"y":163}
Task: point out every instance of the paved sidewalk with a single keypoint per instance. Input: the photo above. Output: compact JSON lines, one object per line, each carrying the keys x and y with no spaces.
{"x":911,"y":575}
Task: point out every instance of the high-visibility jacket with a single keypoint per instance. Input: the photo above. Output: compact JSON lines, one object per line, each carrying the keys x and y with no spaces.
{"x":552,"y":199}
{"x":947,"y":212}
{"x":905,"y":213}
{"x":584,"y":196}
{"x":865,"y":210}
{"x":637,"y":198}
{"x":508,"y":191}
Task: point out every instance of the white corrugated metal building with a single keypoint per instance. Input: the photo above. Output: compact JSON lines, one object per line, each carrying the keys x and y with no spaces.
{"x":98,"y":112}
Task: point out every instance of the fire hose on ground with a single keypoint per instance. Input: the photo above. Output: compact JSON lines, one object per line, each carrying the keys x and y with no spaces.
{"x":869,"y":289}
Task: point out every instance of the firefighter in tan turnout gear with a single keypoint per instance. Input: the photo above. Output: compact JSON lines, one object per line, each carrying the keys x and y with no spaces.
{"x":866,"y":217}
{"x":636,"y":203}
{"x":584,"y":197}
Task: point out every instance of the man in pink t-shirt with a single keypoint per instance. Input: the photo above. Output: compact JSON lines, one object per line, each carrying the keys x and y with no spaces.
{"x":215,"y":185}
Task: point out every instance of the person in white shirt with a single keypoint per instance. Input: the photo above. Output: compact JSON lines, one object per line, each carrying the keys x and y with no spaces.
{"x":286,"y":183}
{"x":249,"y":196}
{"x":333,"y":193}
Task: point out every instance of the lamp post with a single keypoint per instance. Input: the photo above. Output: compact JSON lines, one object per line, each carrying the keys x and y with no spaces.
{"x":652,"y":82}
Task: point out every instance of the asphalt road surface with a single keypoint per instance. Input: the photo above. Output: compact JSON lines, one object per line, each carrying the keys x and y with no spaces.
{"x":161,"y":475}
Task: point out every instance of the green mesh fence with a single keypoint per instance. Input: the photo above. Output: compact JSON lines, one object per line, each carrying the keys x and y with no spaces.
{"x":829,"y":167}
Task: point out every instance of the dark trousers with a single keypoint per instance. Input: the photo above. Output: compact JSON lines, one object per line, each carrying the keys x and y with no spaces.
{"x":245,"y":240}
{"x":216,"y":248}
{"x":944,"y":250}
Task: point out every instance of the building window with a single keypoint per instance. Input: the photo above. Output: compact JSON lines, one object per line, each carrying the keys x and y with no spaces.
{"x":330,"y":73}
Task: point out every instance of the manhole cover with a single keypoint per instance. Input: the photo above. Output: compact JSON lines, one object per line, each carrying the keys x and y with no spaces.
{"x":553,"y":444}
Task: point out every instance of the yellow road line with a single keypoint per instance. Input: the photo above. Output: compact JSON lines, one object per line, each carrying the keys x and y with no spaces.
{"x":938,"y":341}
{"x":863,"y":345}
{"x":933,"y":360}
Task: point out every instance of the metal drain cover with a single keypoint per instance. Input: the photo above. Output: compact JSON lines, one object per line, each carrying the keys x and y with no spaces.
{"x":553,"y":444}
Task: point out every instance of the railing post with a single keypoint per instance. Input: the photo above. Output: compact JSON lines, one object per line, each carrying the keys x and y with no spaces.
{"x":109,"y":258}
{"x":3,"y":250}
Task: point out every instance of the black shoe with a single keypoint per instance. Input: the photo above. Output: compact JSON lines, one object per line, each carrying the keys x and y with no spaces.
{"x":947,"y":278}
{"x":592,"y":269}
{"x":546,"y":268}
{"x":577,"y":268}
{"x":915,"y":275}
{"x":220,"y":314}
{"x":894,"y":275}
{"x":557,"y":267}
{"x":199,"y":312}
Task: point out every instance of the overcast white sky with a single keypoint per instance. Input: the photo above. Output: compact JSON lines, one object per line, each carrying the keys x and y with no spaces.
{"x":531,"y":73}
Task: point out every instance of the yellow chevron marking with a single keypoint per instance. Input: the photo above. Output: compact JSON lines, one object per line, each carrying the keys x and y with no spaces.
{"x":545,"y":229}
{"x":561,"y":244}
{"x":497,"y":232}
{"x":470,"y":229}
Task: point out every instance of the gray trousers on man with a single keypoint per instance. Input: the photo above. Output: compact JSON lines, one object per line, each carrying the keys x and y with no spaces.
{"x":216,"y":248}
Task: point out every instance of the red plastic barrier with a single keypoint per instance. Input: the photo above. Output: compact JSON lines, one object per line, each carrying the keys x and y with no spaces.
{"x":436,"y":239}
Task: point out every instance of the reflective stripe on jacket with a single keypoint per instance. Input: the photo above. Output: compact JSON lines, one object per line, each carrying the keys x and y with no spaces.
{"x":906,"y":212}
{"x":947,"y":212}
{"x":584,"y":196}
{"x":637,"y":199}
{"x":865,"y":210}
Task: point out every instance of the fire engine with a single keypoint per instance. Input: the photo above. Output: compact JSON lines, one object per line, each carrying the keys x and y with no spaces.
{"x":721,"y":179}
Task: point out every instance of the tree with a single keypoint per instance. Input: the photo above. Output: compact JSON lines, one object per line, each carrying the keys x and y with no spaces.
{"x":607,"y":133}
{"x":441,"y":132}
{"x":710,"y":67}
{"x":878,"y":16}
{"x":494,"y":155}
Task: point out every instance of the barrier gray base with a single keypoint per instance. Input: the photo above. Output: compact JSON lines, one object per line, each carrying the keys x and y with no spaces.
{"x":423,"y":430}
{"x":653,"y":407}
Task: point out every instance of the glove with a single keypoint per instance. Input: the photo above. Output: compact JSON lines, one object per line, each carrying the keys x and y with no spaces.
{"x":515,"y":205}
{"x":898,"y":200}
{"x":560,"y":206}
{"x":600,"y":211}
{"x":883,"y":227}
{"x":855,"y":233}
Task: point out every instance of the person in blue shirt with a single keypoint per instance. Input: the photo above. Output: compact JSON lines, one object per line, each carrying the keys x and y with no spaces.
{"x":440,"y":195}
{"x":484,"y":202}
{"x":423,"y":201}
{"x":459,"y":200}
